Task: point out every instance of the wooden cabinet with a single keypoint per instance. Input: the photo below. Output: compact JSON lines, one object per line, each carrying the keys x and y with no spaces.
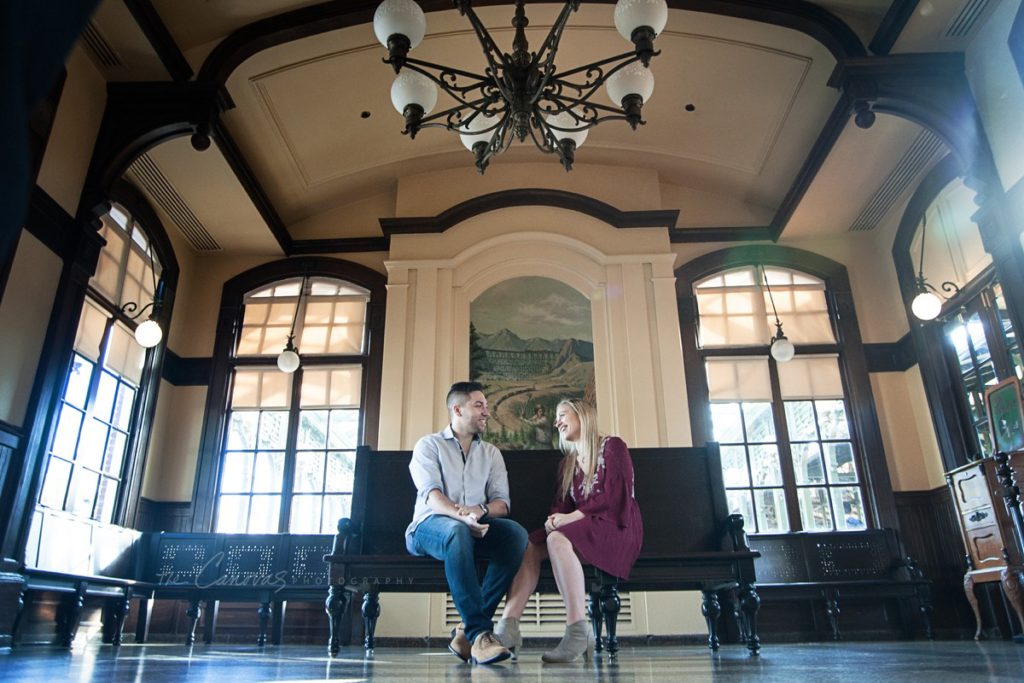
{"x":993,"y":553}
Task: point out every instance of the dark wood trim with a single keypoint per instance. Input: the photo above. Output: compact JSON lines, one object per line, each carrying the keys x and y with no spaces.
{"x":186,"y":372}
{"x":217,"y":398}
{"x":10,"y":435}
{"x":893,"y":23}
{"x":340,"y":245}
{"x":897,"y":356}
{"x":160,"y":515}
{"x":853,"y":364}
{"x":49,"y":223}
{"x":7,"y":265}
{"x":721,"y":234}
{"x":805,"y":17}
{"x":40,"y":125}
{"x":160,"y":39}
{"x":529,"y":197}
{"x":247,"y":177}
{"x":827,"y":138}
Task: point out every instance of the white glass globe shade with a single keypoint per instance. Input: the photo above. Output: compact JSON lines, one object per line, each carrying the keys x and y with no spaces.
{"x":403,"y":17}
{"x":635,"y":79}
{"x":565,"y":120}
{"x":149,"y":334}
{"x":782,"y":350}
{"x":288,"y":361}
{"x":926,"y":306}
{"x":411,"y":87}
{"x":473,"y":128}
{"x":632,"y":14}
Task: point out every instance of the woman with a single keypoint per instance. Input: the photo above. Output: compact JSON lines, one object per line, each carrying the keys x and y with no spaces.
{"x":594,"y":516}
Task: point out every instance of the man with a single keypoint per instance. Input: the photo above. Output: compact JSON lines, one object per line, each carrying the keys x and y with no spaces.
{"x":462,"y":504}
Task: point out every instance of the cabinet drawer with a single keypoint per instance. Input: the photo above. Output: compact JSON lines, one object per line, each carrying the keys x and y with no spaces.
{"x":984,"y":516}
{"x":986,"y":547}
{"x":970,"y":489}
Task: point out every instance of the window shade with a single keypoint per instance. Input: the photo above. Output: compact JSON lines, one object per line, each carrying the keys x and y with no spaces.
{"x":736,"y":379}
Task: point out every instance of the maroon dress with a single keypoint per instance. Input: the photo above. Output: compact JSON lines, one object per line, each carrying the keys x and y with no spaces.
{"x":610,"y":535}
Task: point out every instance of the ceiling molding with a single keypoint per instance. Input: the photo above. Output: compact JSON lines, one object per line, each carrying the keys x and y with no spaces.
{"x":721,"y":234}
{"x":340,"y":245}
{"x":529,"y":197}
{"x":893,"y":23}
{"x":160,"y":39}
{"x":834,"y":34}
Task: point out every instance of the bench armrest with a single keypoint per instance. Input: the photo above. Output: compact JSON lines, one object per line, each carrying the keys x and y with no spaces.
{"x":735,"y":532}
{"x":342,"y":540}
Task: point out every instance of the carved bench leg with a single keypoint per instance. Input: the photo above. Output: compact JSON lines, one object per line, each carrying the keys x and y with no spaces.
{"x":750,"y":602}
{"x":924,"y":602}
{"x":24,"y":606}
{"x":119,"y":611}
{"x":596,"y":621}
{"x":210,"y":622}
{"x":336,"y":605}
{"x":973,"y":600}
{"x":711,"y":609}
{"x":610,"y":605}
{"x":193,"y":613}
{"x":69,"y":617}
{"x":831,"y":596}
{"x":264,"y":615}
{"x":371,"y":610}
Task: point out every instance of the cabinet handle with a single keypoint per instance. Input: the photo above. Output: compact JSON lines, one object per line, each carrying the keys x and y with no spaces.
{"x":977,"y":516}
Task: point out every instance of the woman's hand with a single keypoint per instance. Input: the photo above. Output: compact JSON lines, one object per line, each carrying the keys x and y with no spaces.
{"x":559,"y":519}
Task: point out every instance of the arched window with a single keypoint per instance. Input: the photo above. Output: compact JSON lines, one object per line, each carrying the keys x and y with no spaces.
{"x":792,"y":454}
{"x":280,"y":457}
{"x":98,"y":419}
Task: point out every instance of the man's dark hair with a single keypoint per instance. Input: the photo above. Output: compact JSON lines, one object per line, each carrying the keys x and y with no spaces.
{"x":460,"y":391}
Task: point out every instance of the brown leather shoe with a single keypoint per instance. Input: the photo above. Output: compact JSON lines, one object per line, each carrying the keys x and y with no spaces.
{"x":487,"y":649}
{"x":460,"y":646}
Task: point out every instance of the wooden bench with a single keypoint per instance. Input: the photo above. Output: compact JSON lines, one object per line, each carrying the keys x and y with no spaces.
{"x":841,"y":566}
{"x":206,"y":569}
{"x":691,"y":542}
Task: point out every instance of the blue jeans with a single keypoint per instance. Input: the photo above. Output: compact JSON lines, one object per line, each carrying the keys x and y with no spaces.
{"x":450,"y":541}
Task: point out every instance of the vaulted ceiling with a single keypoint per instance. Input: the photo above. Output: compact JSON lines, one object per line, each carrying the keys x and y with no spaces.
{"x":740,"y":132}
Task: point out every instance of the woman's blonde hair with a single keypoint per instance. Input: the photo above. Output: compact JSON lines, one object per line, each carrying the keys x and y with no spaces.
{"x":587,"y":446}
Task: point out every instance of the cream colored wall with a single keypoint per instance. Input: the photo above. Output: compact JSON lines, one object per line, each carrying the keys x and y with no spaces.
{"x":24,"y":317}
{"x":174,"y":443}
{"x":626,"y":274}
{"x":911,"y":449}
{"x":77,"y":122}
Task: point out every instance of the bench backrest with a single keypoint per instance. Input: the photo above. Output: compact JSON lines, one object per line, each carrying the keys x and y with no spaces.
{"x":680,"y":492}
{"x":827,"y":556}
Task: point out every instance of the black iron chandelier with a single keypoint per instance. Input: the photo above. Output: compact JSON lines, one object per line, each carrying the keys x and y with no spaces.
{"x":521,"y":94}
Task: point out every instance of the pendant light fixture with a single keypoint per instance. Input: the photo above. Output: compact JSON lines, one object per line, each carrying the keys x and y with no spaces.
{"x":927,"y":302}
{"x":148,"y":333}
{"x":782,"y":349}
{"x":288,"y":360}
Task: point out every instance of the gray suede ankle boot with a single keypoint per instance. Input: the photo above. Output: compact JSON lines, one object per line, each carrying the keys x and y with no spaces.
{"x":507,"y":631}
{"x":576,"y":641}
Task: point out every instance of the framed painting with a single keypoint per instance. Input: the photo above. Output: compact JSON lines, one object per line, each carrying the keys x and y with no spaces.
{"x":530,"y":345}
{"x":1006,"y":415}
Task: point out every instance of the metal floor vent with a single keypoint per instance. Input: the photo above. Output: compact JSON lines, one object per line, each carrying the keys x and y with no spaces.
{"x":917,"y":157}
{"x":544,"y":614}
{"x":160,"y":189}
{"x":966,"y":19}
{"x":102,"y":52}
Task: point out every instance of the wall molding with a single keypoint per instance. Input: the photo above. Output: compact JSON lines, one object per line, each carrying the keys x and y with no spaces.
{"x":186,"y":371}
{"x":897,"y":356}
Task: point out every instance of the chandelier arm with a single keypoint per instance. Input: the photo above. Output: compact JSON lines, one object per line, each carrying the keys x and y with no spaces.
{"x":431,"y":121}
{"x":549,"y":49}
{"x":495,"y":57}
{"x":626,"y":57}
{"x":451,"y":87}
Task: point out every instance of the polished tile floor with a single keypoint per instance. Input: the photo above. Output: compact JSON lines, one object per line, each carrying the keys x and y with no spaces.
{"x":938,"y":662}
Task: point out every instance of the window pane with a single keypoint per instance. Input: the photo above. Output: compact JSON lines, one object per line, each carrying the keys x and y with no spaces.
{"x":313,"y":429}
{"x":340,"y":471}
{"x":734,"y":466}
{"x":55,"y":485}
{"x":65,"y":439}
{"x":273,"y":429}
{"x":103,"y":405}
{"x":759,"y":421}
{"x":807,"y":463}
{"x":305,"y":517}
{"x":123,"y":407}
{"x":764,"y":465}
{"x":264,"y":517}
{"x":841,"y":467}
{"x":344,"y":431}
{"x":771,"y":510}
{"x":232,"y":512}
{"x":740,"y":503}
{"x":832,"y":420}
{"x":726,"y":422}
{"x":268,"y":475}
{"x":78,"y":382}
{"x":976,"y":332}
{"x":93,"y":444}
{"x":106,"y":498}
{"x":114,"y":455}
{"x":309,"y":472}
{"x":236,"y":475}
{"x":242,"y":430}
{"x":335,"y":507}
{"x":814,"y":509}
{"x":800,"y":421}
{"x":83,"y":492}
{"x":849,"y":508}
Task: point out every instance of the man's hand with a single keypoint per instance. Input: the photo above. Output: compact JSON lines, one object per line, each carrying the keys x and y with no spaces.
{"x":477,"y":529}
{"x":466,"y":510}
